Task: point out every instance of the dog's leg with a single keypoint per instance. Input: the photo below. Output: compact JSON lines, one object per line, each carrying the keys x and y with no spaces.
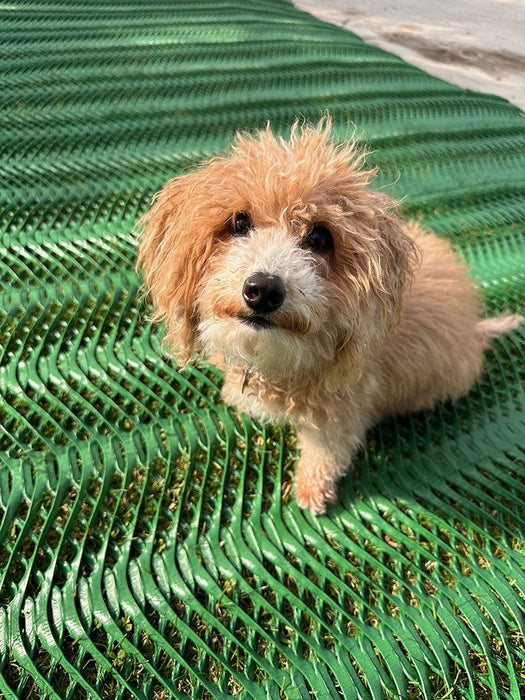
{"x":326,"y":455}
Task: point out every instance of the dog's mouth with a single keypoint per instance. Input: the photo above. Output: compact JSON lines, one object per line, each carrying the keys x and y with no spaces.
{"x":258,"y":322}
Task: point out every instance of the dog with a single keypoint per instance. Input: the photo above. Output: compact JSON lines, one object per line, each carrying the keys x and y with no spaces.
{"x":323,"y":307}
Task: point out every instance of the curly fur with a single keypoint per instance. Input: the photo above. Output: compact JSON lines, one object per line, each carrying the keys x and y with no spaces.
{"x":386,"y":322}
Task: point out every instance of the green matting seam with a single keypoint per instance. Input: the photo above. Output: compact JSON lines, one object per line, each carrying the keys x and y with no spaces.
{"x":149,"y":547}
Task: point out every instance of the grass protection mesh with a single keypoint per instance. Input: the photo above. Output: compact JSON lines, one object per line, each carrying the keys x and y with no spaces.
{"x":149,"y":545}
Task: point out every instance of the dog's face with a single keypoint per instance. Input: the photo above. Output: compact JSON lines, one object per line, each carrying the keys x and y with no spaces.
{"x":278,"y":257}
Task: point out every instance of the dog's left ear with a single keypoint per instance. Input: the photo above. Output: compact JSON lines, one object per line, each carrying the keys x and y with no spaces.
{"x":375,"y":268}
{"x":395,"y":261}
{"x":176,"y":239}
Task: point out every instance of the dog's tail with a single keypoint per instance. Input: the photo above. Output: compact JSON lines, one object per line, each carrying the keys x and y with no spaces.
{"x":493,"y":327}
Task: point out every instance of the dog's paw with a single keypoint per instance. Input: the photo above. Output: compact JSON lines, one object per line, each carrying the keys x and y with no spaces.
{"x":314,"y":496}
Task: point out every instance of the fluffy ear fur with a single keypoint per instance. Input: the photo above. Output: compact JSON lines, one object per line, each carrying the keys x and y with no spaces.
{"x":392,"y":259}
{"x":177,"y":237}
{"x":374,"y":267}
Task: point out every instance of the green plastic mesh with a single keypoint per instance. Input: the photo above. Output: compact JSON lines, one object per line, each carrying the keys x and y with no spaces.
{"x":149,"y":543}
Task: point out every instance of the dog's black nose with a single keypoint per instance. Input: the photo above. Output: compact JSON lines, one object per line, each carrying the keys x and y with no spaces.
{"x":263,"y":293}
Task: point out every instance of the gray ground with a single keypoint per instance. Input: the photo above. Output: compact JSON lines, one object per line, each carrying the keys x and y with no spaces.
{"x":477,"y":44}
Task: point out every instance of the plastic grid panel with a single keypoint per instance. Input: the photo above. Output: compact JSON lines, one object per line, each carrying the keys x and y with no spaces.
{"x":149,"y":547}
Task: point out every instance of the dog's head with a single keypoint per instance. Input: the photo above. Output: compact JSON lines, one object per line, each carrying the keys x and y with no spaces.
{"x":278,"y":257}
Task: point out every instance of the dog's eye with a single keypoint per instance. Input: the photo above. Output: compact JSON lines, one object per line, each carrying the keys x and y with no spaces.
{"x":240,"y":224}
{"x":319,"y":239}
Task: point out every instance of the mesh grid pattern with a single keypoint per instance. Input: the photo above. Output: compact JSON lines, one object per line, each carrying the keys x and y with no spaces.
{"x":149,"y":546}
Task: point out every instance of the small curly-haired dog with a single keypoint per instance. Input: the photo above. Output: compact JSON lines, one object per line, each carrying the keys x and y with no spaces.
{"x":323,"y":307}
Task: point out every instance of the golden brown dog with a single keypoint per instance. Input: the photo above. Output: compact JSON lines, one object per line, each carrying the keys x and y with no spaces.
{"x":323,"y":307}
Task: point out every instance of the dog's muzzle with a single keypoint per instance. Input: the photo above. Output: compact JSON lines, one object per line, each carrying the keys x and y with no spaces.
{"x":263,"y":293}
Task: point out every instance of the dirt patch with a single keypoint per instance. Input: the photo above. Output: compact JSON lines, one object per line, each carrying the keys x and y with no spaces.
{"x":491,"y":62}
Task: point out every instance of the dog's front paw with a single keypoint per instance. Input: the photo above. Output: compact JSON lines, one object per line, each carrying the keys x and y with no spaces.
{"x":314,"y":494}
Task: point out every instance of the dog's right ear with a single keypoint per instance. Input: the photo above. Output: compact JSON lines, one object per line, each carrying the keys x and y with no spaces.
{"x":176,"y":239}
